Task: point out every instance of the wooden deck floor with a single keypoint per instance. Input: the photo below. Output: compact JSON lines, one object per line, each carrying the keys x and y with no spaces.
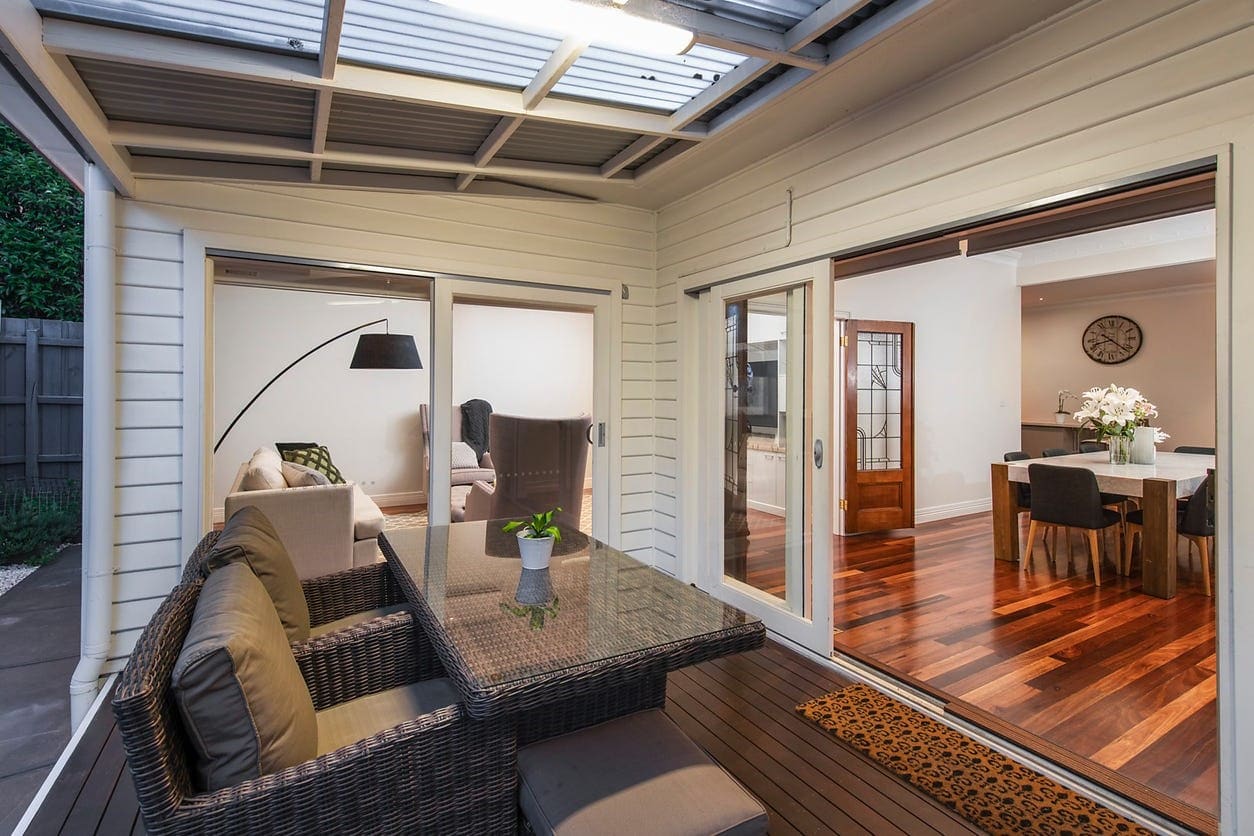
{"x":1123,"y":680}
{"x":740,"y":709}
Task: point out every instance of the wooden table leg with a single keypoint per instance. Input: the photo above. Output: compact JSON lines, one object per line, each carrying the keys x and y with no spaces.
{"x":1158,"y":539}
{"x":1005,"y":515}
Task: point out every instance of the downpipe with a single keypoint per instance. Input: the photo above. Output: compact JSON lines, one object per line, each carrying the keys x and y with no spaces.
{"x":99,"y":437}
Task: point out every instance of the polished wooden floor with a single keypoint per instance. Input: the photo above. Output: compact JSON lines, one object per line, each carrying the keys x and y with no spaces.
{"x":1111,"y":674}
{"x":740,"y":709}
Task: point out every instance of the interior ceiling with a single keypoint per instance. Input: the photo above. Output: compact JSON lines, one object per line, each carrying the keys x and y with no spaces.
{"x":1197,"y":274}
{"x":415,"y":96}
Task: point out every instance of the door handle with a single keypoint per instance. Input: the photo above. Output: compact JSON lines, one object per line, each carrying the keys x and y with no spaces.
{"x":818,"y":453}
{"x":588,"y":434}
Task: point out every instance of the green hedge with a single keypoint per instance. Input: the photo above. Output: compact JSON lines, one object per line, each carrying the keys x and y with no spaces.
{"x":35,"y":521}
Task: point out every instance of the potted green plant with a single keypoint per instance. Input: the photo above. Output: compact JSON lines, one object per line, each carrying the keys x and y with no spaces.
{"x":536,"y":537}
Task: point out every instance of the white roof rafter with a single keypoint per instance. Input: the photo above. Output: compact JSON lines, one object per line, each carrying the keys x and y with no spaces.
{"x":328,"y":57}
{"x":499,"y":136}
{"x":566,"y":54}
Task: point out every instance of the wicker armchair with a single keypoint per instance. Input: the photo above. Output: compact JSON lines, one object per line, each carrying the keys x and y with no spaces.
{"x":440,"y":772}
{"x":330,"y":598}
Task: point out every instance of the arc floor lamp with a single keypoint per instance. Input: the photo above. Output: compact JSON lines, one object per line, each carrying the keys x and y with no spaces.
{"x":374,"y":351}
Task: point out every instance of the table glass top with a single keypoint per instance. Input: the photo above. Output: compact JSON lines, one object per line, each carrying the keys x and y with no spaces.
{"x":593,"y":603}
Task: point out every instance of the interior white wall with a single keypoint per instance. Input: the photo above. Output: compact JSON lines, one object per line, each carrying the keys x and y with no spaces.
{"x":523,"y":361}
{"x":966,"y":370}
{"x":367,"y":418}
{"x":1175,"y":367}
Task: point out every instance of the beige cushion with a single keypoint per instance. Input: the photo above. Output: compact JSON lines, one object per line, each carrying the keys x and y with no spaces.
{"x":238,"y":690}
{"x":471,"y":475}
{"x":300,"y":476}
{"x":463,"y":456}
{"x":264,"y":472}
{"x":349,"y":722}
{"x":636,"y":774}
{"x":248,"y":537}
{"x":355,"y":618}
{"x":367,"y":518}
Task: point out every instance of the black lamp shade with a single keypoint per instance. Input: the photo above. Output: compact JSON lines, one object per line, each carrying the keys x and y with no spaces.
{"x":386,"y":351}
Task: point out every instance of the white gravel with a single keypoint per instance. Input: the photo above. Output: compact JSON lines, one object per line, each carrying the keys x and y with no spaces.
{"x":10,"y":576}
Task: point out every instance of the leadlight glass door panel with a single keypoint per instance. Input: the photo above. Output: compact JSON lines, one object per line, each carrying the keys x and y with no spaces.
{"x":879,"y":426}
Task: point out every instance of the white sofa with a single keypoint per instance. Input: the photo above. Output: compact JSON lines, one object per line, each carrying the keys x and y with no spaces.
{"x":326,"y":528}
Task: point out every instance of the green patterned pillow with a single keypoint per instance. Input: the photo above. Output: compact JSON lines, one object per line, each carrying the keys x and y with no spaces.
{"x":319,"y":458}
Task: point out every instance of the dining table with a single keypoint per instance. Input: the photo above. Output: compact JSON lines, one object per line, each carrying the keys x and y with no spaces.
{"x":589,"y":638}
{"x":1156,"y":487}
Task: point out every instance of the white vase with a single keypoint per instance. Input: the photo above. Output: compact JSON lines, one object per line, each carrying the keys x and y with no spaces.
{"x":1143,"y":449}
{"x":535,"y":551}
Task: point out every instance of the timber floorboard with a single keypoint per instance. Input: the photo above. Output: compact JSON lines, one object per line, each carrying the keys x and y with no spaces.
{"x":1108,"y":673}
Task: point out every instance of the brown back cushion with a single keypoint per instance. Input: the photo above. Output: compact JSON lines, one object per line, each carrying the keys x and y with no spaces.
{"x":238,"y":689}
{"x":249,"y":537}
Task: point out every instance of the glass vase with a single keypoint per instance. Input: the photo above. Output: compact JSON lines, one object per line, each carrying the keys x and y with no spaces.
{"x":1120,"y":449}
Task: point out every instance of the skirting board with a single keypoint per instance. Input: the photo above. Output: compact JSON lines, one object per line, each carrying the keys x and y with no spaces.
{"x":383,"y":500}
{"x":953,"y":509}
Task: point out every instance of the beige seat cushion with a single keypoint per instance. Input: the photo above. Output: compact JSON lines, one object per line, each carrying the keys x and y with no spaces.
{"x":355,"y":618}
{"x":636,"y":774}
{"x":470,"y":475}
{"x":264,"y":471}
{"x":249,"y":537}
{"x":367,"y":518}
{"x":366,"y":716}
{"x":238,"y":690}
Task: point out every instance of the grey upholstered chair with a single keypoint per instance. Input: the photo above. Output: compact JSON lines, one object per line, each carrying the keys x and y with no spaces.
{"x":540,"y":464}
{"x":1068,"y":497}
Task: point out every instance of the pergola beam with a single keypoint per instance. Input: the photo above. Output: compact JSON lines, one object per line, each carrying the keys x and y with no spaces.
{"x":167,"y":168}
{"x":234,"y":144}
{"x":729,"y":85}
{"x":566,"y":54}
{"x":332,"y":29}
{"x":488,"y":148}
{"x":721,"y":33}
{"x":61,"y":92}
{"x":123,"y":46}
{"x":821,"y":20}
{"x":630,"y":154}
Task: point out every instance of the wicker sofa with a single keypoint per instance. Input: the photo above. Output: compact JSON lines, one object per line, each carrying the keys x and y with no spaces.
{"x":439,"y":771}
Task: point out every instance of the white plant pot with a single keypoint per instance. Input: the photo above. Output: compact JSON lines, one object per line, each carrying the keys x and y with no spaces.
{"x":535,"y":551}
{"x":1061,"y":417}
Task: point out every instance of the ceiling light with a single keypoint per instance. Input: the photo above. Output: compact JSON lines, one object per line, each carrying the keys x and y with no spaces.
{"x":603,"y":25}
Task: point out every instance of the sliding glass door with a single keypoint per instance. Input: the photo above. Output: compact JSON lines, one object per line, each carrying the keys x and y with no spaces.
{"x":766,"y":420}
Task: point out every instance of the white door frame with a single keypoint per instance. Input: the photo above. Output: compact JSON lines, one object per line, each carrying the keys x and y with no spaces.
{"x":447,"y":291}
{"x":812,"y":631}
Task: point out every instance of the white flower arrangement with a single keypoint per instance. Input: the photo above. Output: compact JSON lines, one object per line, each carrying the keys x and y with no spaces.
{"x":1115,"y":411}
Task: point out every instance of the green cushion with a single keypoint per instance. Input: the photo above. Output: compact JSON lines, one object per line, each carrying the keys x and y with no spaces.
{"x":237,"y":687}
{"x":249,"y":537}
{"x":319,"y":458}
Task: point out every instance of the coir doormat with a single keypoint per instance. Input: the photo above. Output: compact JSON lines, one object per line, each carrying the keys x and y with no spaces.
{"x":988,"y":789}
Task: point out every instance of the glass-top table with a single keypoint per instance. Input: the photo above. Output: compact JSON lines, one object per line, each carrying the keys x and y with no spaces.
{"x":595,"y":620}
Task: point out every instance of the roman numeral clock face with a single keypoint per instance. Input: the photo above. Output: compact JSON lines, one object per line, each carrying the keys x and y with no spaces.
{"x":1112,"y":339}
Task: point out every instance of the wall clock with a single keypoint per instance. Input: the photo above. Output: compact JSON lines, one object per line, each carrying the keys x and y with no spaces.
{"x":1112,"y":339}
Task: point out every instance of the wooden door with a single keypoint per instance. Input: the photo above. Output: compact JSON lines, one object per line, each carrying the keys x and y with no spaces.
{"x":879,"y":425}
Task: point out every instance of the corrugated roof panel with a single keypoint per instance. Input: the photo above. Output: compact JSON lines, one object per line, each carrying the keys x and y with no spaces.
{"x":368,"y":121}
{"x":661,"y":148}
{"x":777,"y":15}
{"x":647,"y":81}
{"x":286,"y":25}
{"x":855,"y":20}
{"x":146,"y":94}
{"x":555,"y":143}
{"x":745,"y":92}
{"x":432,"y":39}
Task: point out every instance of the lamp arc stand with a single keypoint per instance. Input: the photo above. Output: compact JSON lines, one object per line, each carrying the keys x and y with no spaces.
{"x":287,"y":369}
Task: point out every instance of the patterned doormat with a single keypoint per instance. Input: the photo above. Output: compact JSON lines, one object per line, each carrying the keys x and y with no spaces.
{"x":988,"y":789}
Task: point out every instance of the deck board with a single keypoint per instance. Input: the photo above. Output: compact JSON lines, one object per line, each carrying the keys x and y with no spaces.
{"x":739,"y":708}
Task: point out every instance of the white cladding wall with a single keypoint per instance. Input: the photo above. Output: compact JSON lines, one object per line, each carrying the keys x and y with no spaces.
{"x":511,"y":239}
{"x":1108,"y":89}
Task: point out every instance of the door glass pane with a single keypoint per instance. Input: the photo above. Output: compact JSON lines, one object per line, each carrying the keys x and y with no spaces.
{"x":879,"y":401}
{"x":765,"y":489}
{"x":522,"y":423}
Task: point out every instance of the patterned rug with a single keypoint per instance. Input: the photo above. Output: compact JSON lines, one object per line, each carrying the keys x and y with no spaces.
{"x":988,"y":789}
{"x":418,"y":519}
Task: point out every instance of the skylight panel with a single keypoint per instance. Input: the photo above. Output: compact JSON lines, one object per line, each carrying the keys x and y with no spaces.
{"x":432,"y":39}
{"x":648,"y":81}
{"x":285,"y":25}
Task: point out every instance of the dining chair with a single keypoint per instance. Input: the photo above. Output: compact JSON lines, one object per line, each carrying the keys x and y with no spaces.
{"x":1023,"y":491}
{"x":1050,"y":452}
{"x":1068,"y":497}
{"x":1195,"y":521}
{"x":1093,"y":447}
{"x":1196,"y":451}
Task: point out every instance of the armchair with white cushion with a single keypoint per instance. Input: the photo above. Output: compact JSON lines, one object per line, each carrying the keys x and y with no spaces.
{"x":465,"y":471}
